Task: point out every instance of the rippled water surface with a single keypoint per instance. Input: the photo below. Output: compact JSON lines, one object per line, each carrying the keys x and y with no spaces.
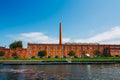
{"x":60,"y":72}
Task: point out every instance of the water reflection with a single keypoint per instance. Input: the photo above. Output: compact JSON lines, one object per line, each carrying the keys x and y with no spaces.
{"x":60,"y":72}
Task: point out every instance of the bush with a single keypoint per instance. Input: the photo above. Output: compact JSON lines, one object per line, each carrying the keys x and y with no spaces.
{"x":2,"y":53}
{"x":33,"y":57}
{"x":64,"y":57}
{"x":14,"y":55}
{"x":56,"y":57}
{"x":16,"y":44}
{"x":97,"y":53}
{"x":117,"y":56}
{"x":106,"y":52}
{"x":75,"y":56}
{"x":49,"y":56}
{"x":72,"y":53}
{"x":42,"y":53}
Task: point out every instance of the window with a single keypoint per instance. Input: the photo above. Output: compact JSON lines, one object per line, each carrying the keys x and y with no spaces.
{"x":84,"y":48}
{"x":90,"y":48}
{"x":80,"y":52}
{"x":62,"y":47}
{"x":74,"y":48}
{"x":56,"y":48}
{"x":43,"y":47}
{"x":56,"y":53}
{"x":37,"y":50}
{"x":68,"y":48}
{"x":6,"y":54}
{"x":31,"y":51}
{"x":62,"y":53}
{"x":18,"y":53}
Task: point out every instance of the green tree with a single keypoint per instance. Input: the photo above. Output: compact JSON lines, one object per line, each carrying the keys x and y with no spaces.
{"x":2,"y":53}
{"x":97,"y":53}
{"x":12,"y":45}
{"x":16,"y":44}
{"x":42,"y":53}
{"x":19,"y":44}
{"x":106,"y":52}
{"x":56,"y":57}
{"x":14,"y":55}
{"x":72,"y":53}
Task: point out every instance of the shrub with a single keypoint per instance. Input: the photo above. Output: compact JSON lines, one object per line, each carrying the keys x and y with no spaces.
{"x":97,"y":53}
{"x":42,"y":53}
{"x":56,"y":57}
{"x":14,"y":55}
{"x":116,"y":55}
{"x":106,"y":52}
{"x":2,"y":53}
{"x":16,"y":44}
{"x":71,"y":53}
{"x":64,"y":57}
{"x":33,"y":57}
{"x":75,"y":56}
{"x":49,"y":56}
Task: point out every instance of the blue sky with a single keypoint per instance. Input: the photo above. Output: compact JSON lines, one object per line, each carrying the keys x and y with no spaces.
{"x":37,"y":21}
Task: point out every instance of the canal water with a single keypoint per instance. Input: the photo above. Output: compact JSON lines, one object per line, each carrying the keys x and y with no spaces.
{"x":60,"y":72}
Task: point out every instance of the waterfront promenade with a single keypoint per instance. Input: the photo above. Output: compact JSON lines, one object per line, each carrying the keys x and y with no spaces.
{"x":60,"y":61}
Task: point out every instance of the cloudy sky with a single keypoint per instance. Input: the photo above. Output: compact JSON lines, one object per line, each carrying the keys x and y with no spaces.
{"x":37,"y":21}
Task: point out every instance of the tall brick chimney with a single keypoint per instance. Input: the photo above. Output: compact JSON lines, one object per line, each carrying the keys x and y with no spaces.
{"x":60,"y":34}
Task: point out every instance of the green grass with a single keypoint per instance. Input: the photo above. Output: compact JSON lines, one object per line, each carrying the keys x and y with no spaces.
{"x":56,"y":59}
{"x":62,"y":59}
{"x":97,"y":58}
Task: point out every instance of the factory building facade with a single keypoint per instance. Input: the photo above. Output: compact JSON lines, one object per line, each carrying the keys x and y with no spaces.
{"x":61,"y":50}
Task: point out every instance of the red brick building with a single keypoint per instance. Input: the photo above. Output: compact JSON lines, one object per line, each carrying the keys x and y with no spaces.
{"x":61,"y":50}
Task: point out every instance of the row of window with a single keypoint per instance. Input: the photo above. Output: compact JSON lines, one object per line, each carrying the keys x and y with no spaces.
{"x":61,"y":47}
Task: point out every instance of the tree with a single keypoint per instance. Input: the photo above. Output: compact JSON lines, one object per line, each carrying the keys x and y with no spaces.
{"x":97,"y":53}
{"x":19,"y":44}
{"x":56,"y":57}
{"x":71,"y":53}
{"x":12,"y":45}
{"x":2,"y":53}
{"x":16,"y":44}
{"x":14,"y":55}
{"x":75,"y":56}
{"x":33,"y":57}
{"x":64,"y":57}
{"x":106,"y":52}
{"x":49,"y":56}
{"x":42,"y":53}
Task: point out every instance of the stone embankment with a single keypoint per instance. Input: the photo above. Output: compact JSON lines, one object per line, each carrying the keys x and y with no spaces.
{"x":40,"y":62}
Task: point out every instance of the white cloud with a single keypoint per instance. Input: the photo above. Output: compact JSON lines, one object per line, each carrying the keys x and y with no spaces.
{"x":111,"y":36}
{"x":37,"y":37}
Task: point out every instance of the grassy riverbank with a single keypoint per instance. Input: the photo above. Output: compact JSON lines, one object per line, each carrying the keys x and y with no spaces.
{"x":63,"y":59}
